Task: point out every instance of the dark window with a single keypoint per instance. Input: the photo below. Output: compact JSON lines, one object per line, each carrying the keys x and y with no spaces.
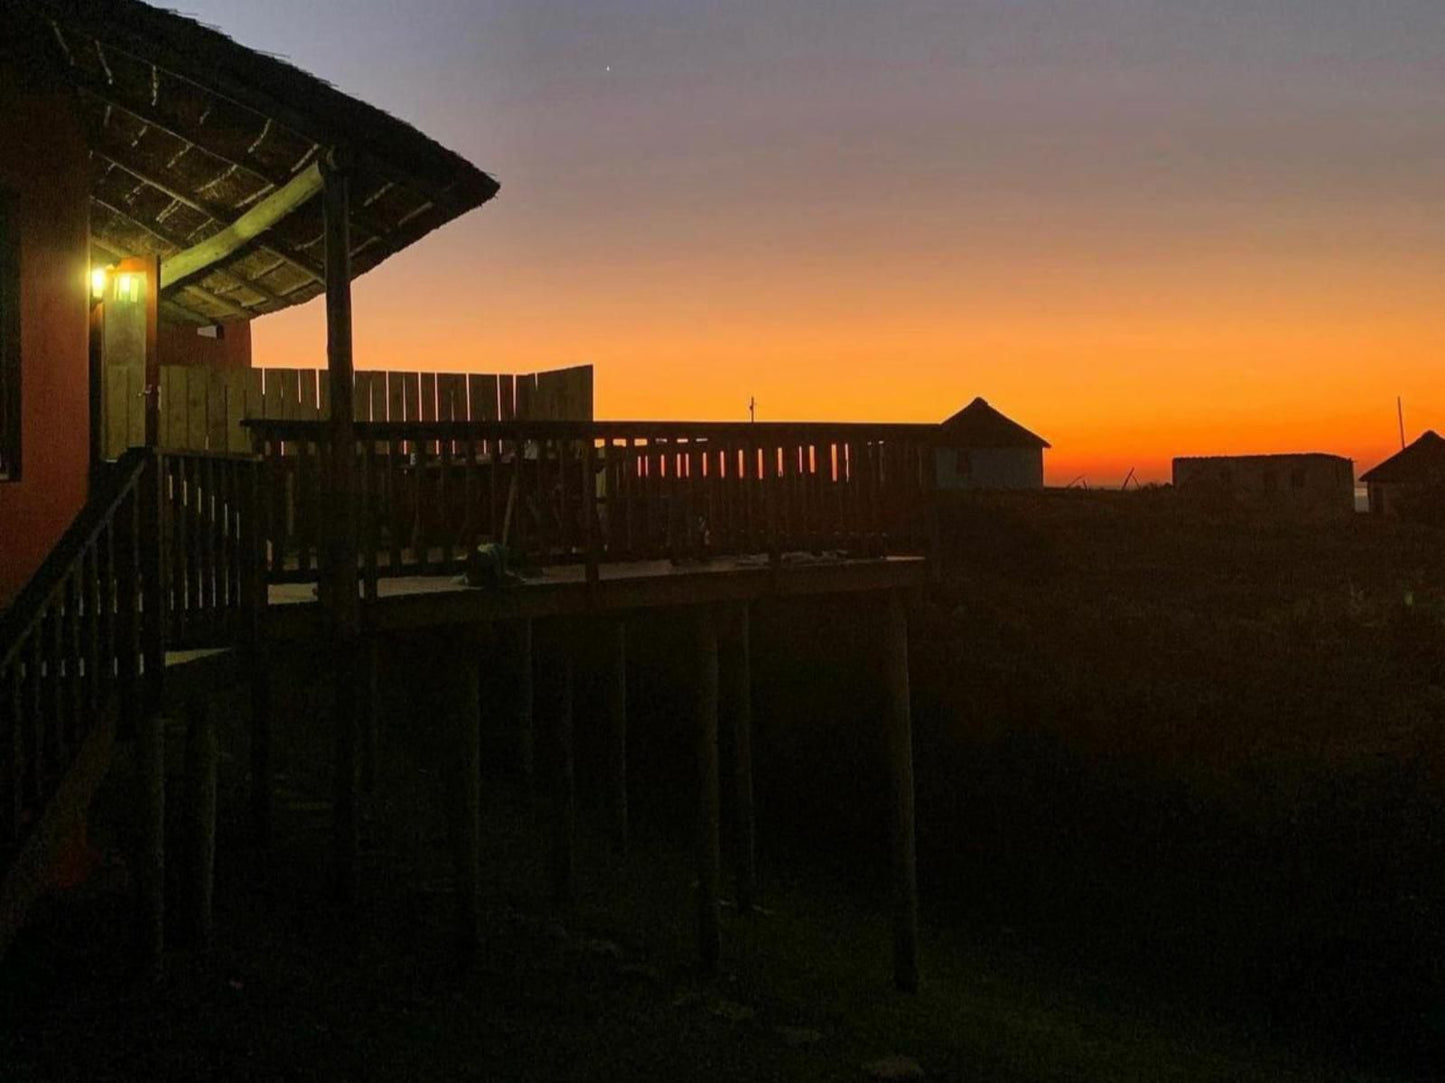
{"x":1297,"y":478}
{"x":9,"y":336}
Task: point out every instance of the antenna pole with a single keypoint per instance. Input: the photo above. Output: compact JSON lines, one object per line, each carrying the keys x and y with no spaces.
{"x":752,"y":408}
{"x":1400,"y":412}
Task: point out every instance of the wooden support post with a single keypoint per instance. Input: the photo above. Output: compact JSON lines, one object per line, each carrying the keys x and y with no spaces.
{"x":523,"y":703}
{"x":371,"y":711}
{"x":201,"y":758}
{"x":900,"y":763}
{"x":562,"y":795}
{"x":708,"y":845}
{"x":466,"y":804}
{"x":737,"y":682}
{"x":150,"y":874}
{"x":262,"y":787}
{"x":616,"y":641}
{"x":340,"y":572}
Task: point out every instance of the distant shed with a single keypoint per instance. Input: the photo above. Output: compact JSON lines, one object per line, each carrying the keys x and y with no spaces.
{"x":982,"y":449}
{"x":1411,"y":483}
{"x":1309,"y":483}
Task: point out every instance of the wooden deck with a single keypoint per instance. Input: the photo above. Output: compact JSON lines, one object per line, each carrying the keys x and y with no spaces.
{"x":420,"y":601}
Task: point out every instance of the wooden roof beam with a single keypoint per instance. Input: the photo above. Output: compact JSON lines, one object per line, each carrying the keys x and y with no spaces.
{"x":153,"y":37}
{"x":199,"y":258}
{"x":113,"y":97}
{"x":294,"y":259}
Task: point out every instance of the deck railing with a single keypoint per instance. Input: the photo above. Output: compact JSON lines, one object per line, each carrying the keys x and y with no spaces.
{"x":212,"y":513}
{"x":165,"y":554}
{"x":586,"y":492}
{"x":83,"y":637}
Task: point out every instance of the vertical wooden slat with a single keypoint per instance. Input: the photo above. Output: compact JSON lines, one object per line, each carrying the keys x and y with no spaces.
{"x":395,"y":397}
{"x":217,"y":434}
{"x":198,"y":386}
{"x":506,"y":397}
{"x":308,"y":406}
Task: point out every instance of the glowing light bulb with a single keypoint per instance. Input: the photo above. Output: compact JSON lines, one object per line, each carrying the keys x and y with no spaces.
{"x":97,"y":283}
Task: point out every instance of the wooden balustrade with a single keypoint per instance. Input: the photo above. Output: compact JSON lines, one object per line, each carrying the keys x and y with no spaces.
{"x":212,"y":519}
{"x":587,"y":492}
{"x":81,"y":638}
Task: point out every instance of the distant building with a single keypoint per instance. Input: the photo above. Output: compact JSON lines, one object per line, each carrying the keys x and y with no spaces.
{"x":1410,"y":484}
{"x":1310,"y":483}
{"x":982,"y":449}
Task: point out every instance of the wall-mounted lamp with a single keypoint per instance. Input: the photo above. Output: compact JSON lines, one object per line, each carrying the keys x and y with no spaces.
{"x":97,"y":283}
{"x":127,"y":287}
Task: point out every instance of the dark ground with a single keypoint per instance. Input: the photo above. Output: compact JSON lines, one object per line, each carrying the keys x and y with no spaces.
{"x":1179,"y":783}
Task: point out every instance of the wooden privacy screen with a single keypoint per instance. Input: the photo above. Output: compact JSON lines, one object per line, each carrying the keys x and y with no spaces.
{"x":202,"y":408}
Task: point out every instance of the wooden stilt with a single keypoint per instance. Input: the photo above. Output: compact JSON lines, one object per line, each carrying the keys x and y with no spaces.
{"x":262,"y":788}
{"x":523,"y":705}
{"x":900,"y":761}
{"x":340,"y":573}
{"x":708,"y":846}
{"x":617,"y":735}
{"x":466,"y":812}
{"x":562,"y":803}
{"x":150,"y":874}
{"x":371,"y":713}
{"x":201,"y":755}
{"x":345,"y":809}
{"x":738,"y":684}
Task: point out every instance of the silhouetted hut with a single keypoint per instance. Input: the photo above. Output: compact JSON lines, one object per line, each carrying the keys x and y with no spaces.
{"x":1309,"y":483}
{"x":982,"y":449}
{"x":1410,"y":484}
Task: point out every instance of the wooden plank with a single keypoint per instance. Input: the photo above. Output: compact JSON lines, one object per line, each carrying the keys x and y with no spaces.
{"x":395,"y":397}
{"x":411,"y":395}
{"x":378,"y":396}
{"x":290,"y":394}
{"x":506,"y":397}
{"x":428,"y":396}
{"x":237,"y":440}
{"x":323,"y":395}
{"x":361,"y":396}
{"x":482,"y":397}
{"x":275,"y":403}
{"x":306,"y":384}
{"x":135,"y":407}
{"x":173,"y":406}
{"x":526,"y":392}
{"x":216,"y":431}
{"x":198,"y":386}
{"x":452,"y":396}
{"x":116,"y":389}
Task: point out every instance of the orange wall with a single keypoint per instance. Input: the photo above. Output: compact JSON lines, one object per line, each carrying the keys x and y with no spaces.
{"x":45,"y":163}
{"x":179,"y":344}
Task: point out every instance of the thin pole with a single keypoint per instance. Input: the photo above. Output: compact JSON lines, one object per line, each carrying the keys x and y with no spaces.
{"x":738,"y":686}
{"x":705,"y":733}
{"x":900,"y":757}
{"x":617,"y":734}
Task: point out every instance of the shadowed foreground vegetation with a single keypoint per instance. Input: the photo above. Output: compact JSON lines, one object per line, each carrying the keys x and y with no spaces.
{"x":1196,"y":752}
{"x":1179,"y":786}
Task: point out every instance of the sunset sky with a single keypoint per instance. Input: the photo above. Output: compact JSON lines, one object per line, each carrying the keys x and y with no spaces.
{"x":1140,"y":228}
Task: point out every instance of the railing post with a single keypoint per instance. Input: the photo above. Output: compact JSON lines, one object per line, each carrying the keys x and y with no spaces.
{"x":341,"y":571}
{"x":590,"y":534}
{"x":151,"y":507}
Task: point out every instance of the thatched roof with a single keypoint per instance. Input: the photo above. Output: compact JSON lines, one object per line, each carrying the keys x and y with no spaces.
{"x":1422,"y":462}
{"x":190,"y":131}
{"x":979,"y":425}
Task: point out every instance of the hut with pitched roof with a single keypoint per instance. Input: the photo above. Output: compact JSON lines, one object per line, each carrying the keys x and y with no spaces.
{"x":1411,"y":483}
{"x":982,"y":449}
